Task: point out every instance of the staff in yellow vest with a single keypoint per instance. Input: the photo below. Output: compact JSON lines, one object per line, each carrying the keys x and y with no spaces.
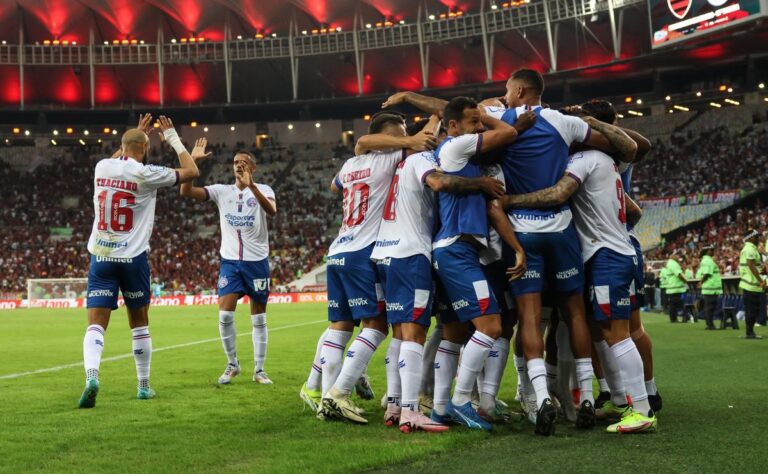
{"x":677,"y":285}
{"x":752,"y":284}
{"x":711,"y":284}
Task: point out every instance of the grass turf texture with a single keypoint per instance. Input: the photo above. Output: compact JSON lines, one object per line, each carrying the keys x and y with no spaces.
{"x":713,"y":386}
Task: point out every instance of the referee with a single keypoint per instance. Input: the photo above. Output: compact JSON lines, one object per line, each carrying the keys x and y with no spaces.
{"x":752,"y":285}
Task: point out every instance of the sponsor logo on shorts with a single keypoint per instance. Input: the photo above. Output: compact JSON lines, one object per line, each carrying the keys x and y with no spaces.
{"x":384,"y":261}
{"x":564,"y":275}
{"x":132,"y":295}
{"x":333,"y":304}
{"x":114,"y":260}
{"x":531,"y":274}
{"x":395,"y":307}
{"x":261,"y":284}
{"x":623,"y":302}
{"x":354,"y":302}
{"x":336,"y":261}
{"x":98,"y":293}
{"x":223,"y":282}
{"x":457,"y":305}
{"x":251,"y":202}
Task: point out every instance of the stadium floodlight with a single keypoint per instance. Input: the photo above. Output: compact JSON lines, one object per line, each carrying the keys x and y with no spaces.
{"x":681,"y":108}
{"x":698,"y":93}
{"x":114,"y":132}
{"x":16,"y":130}
{"x":431,"y":17}
{"x":5,"y":42}
{"x":667,"y":98}
{"x":86,"y":132}
{"x":69,"y":130}
{"x":730,"y":89}
{"x":26,"y":133}
{"x":639,"y":101}
{"x":303,"y":32}
{"x":55,"y":132}
{"x":82,"y":142}
{"x":106,"y":42}
{"x":173,"y":40}
{"x":368,"y":25}
{"x":317,"y":124}
{"x":53,"y":142}
{"x":732,"y":102}
{"x":402,"y":22}
{"x":193,"y":124}
{"x":290,"y":126}
{"x":274,"y":35}
{"x":205,"y":129}
{"x":715,"y":105}
{"x":761,"y":85}
{"x":635,"y":113}
{"x":232,"y":128}
{"x":494,"y":6}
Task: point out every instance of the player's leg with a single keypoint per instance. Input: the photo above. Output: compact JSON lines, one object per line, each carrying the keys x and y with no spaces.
{"x":256,"y":278}
{"x":310,"y":392}
{"x":645,"y":347}
{"x":454,"y":333}
{"x":340,"y":330}
{"x":138,"y":321}
{"x":394,"y":386}
{"x":427,"y":389}
{"x":227,"y":326}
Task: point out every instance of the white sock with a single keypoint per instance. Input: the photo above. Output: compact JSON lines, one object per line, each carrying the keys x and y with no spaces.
{"x":603,"y":385}
{"x":358,"y":357}
{"x":472,"y":361}
{"x":411,"y":361}
{"x":632,"y":373}
{"x":523,"y":382}
{"x":493,"y":372}
{"x":584,"y":374}
{"x":565,"y":363}
{"x":315,"y":379}
{"x":331,"y":355}
{"x":228,"y":333}
{"x":551,"y":377}
{"x":259,"y":336}
{"x":446,"y":363}
{"x":142,"y":354}
{"x":612,"y":373}
{"x":650,"y":387}
{"x":93,"y":346}
{"x":428,"y":365}
{"x":537,"y":372}
{"x":393,"y":374}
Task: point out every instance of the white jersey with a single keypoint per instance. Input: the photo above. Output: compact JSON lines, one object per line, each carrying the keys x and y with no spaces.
{"x":124,"y":192}
{"x":600,"y":213}
{"x":492,"y":253}
{"x":364,"y":181}
{"x":243,"y":221}
{"x":408,"y":222}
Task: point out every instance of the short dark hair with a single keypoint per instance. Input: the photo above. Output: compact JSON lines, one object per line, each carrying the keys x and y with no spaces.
{"x":600,"y":109}
{"x":384,"y":118}
{"x":416,"y":127}
{"x":531,"y":78}
{"x":250,"y":156}
{"x":454,"y":110}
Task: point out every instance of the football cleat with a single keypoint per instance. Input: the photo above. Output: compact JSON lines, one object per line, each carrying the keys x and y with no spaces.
{"x":414,"y":420}
{"x":145,"y":394}
{"x":500,"y":414}
{"x":232,"y":371}
{"x":311,"y":397}
{"x":634,"y":422}
{"x":610,"y":411}
{"x":439,"y":419}
{"x":528,"y":405}
{"x":363,"y":388}
{"x":392,"y":415}
{"x":602,"y":397}
{"x":467,"y":416}
{"x":425,"y":404}
{"x":383,"y":402}
{"x":259,"y":376}
{"x":585,"y":418}
{"x":545,"y":418}
{"x":340,"y":408}
{"x":88,"y":398}
{"x":655,"y":402}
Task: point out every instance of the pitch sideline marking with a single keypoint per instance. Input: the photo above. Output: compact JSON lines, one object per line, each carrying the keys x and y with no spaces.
{"x":159,"y":349}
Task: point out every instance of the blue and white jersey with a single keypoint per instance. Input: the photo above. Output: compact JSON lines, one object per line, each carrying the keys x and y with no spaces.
{"x":466,"y":213}
{"x":243,"y":222}
{"x":626,"y":181}
{"x":537,"y":160}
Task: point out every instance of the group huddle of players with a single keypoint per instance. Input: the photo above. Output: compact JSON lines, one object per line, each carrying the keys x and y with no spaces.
{"x":488,"y":216}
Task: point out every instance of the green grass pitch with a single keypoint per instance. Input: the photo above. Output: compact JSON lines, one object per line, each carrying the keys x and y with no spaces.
{"x":713,"y":383}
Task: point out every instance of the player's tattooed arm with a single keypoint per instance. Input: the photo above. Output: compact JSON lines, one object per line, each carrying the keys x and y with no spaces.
{"x":446,"y":183}
{"x":498,"y":219}
{"x":551,"y":196}
{"x":611,"y":139}
{"x":431,"y":105}
{"x":643,"y":144}
{"x":634,"y":211}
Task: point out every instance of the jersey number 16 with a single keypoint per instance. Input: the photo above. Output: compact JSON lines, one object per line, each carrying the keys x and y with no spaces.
{"x":120,"y":215}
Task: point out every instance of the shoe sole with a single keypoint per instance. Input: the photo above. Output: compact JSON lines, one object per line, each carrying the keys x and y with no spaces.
{"x":331,"y":408}
{"x":545,"y":421}
{"x":648,"y":427}
{"x":410,"y":428}
{"x":585,"y":419}
{"x":88,"y":398}
{"x":392,"y":421}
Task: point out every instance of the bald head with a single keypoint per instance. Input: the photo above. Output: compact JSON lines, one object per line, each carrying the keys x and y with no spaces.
{"x":135,"y":143}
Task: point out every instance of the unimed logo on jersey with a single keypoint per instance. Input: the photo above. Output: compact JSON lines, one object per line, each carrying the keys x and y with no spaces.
{"x":679,"y":8}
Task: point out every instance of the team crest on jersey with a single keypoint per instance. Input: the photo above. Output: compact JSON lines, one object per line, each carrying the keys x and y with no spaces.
{"x":223,"y":282}
{"x":251,"y":202}
{"x":679,"y":8}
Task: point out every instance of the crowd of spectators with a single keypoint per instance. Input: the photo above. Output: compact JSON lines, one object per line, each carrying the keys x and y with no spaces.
{"x":48,"y":215}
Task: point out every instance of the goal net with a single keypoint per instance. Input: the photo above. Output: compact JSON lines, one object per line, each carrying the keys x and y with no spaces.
{"x":42,"y":290}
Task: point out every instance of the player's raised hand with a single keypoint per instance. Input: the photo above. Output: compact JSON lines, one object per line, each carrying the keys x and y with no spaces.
{"x":145,"y":123}
{"x":244,"y":176}
{"x":492,"y":187}
{"x":165,"y":123}
{"x":525,"y":121}
{"x":394,"y":99}
{"x":422,"y":141}
{"x":521,"y":266}
{"x":198,"y":152}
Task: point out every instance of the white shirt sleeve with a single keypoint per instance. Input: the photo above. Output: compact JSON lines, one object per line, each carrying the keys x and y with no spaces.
{"x":580,"y":166}
{"x":571,"y":129}
{"x":155,"y":177}
{"x":495,"y":112}
{"x":422,"y":166}
{"x":266,"y":191}
{"x":213,"y":192}
{"x":455,"y":154}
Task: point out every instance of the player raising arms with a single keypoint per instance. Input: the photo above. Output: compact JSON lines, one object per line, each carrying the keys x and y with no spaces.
{"x":124,"y":194}
{"x":243,"y":210}
{"x":592,"y":181}
{"x":354,"y":292}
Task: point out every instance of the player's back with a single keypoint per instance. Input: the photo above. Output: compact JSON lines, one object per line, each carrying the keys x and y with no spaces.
{"x":124,"y":206}
{"x":599,"y":209}
{"x":408,"y":218}
{"x":364,"y":181}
